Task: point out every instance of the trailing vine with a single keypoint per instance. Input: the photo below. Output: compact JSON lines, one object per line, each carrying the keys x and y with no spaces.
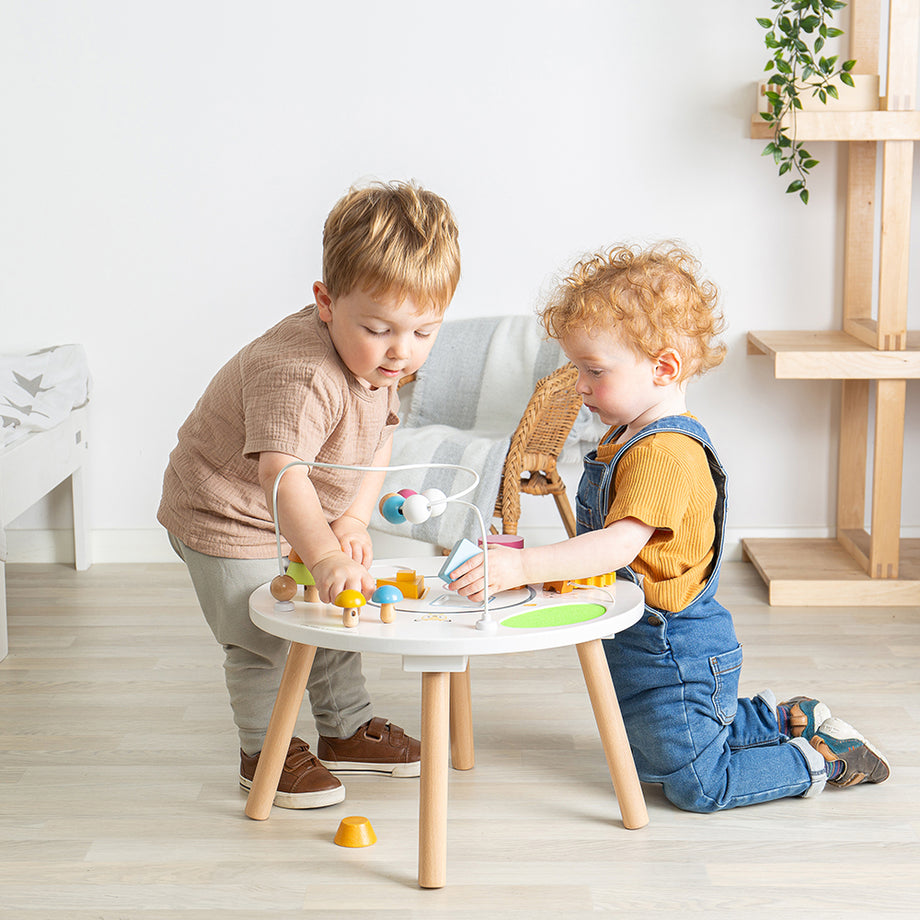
{"x":795,"y":36}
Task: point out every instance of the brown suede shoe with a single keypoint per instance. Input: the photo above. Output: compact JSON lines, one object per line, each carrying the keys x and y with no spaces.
{"x":376,"y":747}
{"x":304,"y":782}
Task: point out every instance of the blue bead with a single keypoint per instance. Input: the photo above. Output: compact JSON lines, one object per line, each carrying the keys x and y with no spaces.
{"x":392,"y":509}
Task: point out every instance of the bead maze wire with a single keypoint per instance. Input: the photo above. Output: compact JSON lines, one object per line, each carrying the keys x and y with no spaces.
{"x":485,"y":623}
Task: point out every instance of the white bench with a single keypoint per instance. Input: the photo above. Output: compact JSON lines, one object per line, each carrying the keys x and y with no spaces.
{"x":29,"y":469}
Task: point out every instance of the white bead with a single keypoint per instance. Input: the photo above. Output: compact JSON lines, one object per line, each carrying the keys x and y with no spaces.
{"x":438,"y":501}
{"x":416,"y":509}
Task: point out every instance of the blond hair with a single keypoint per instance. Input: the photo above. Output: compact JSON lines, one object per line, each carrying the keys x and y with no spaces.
{"x":651,"y":297}
{"x":393,"y":238}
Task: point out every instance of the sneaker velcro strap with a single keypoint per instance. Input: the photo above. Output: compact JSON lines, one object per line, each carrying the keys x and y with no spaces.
{"x":299,"y":757}
{"x":376,"y":729}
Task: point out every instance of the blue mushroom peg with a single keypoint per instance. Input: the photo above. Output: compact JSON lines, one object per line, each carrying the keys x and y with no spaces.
{"x":387,"y":596}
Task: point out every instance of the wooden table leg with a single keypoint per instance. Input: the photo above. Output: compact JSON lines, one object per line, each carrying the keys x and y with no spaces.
{"x":613,"y":734}
{"x":432,"y":818}
{"x":462,"y":756}
{"x":280,"y":730}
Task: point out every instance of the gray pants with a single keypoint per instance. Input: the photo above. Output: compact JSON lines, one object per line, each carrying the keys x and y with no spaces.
{"x":254,"y":660}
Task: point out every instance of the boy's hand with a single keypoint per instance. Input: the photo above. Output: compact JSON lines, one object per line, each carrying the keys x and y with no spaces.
{"x":336,"y":572}
{"x":354,"y":539}
{"x":506,"y":570}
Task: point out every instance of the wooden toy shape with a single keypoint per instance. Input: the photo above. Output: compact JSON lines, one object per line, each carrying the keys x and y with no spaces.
{"x":283,"y":587}
{"x":355,"y":831}
{"x":409,"y":582}
{"x":391,"y":508}
{"x":463,"y":550}
{"x":350,"y":601}
{"x":600,"y":581}
{"x":437,"y":501}
{"x":606,"y":580}
{"x":303,"y":576}
{"x":416,"y":509}
{"x":387,"y":596}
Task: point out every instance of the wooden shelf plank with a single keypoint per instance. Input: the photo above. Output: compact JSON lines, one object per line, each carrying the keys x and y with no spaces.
{"x":848,"y":126}
{"x":821,"y":573}
{"x":834,"y":355}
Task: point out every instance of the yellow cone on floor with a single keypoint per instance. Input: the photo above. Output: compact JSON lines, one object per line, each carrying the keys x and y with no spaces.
{"x":355,"y":831}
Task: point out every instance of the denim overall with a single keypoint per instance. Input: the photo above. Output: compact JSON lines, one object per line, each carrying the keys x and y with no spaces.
{"x":676,"y":677}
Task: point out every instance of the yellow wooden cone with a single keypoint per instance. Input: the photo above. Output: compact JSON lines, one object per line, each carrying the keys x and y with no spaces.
{"x":355,"y":832}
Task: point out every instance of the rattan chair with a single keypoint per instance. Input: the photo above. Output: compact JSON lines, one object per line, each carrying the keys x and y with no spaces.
{"x":537,"y":442}
{"x":530,"y":465}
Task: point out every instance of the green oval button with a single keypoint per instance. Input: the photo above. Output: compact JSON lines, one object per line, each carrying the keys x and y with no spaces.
{"x":561,"y":615}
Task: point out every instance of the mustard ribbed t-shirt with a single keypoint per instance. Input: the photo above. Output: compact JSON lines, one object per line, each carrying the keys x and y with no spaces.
{"x":664,"y":481}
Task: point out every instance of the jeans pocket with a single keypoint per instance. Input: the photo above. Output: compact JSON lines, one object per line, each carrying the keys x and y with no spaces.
{"x":726,"y":671}
{"x":584,"y":516}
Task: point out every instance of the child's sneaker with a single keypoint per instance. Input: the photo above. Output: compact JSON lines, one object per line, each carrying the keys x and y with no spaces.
{"x":304,"y":781}
{"x":801,"y":716}
{"x":377,"y":746}
{"x":850,"y":758}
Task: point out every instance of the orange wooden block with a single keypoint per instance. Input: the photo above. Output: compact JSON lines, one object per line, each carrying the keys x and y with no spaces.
{"x":592,"y":581}
{"x":409,"y":582}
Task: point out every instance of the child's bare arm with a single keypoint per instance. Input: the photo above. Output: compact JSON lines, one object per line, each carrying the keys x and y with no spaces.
{"x":303,"y":523}
{"x":351,"y":527}
{"x":593,"y":553}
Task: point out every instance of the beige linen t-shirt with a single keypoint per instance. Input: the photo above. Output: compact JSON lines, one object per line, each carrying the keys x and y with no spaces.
{"x":288,"y":391}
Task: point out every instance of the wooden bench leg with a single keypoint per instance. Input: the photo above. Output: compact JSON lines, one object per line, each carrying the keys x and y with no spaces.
{"x":280,"y":730}
{"x":4,"y":633}
{"x":82,"y":556}
{"x":613,"y":734}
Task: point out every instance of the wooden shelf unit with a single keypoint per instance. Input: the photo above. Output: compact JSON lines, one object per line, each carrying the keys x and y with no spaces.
{"x":873,"y":355}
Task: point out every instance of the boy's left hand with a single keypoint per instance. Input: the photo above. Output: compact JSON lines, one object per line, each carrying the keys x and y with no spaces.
{"x":354,"y":539}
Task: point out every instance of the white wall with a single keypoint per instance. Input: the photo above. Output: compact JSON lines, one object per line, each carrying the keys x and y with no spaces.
{"x":167,"y":167}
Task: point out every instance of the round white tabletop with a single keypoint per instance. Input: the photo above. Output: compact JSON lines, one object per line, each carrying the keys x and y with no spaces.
{"x":443,"y":625}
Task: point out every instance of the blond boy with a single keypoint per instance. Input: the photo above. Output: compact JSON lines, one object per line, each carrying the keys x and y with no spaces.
{"x":319,"y":385}
{"x":638,"y":325}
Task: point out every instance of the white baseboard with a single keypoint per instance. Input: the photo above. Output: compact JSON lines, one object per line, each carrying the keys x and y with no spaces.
{"x":114,"y":546}
{"x":152,"y":546}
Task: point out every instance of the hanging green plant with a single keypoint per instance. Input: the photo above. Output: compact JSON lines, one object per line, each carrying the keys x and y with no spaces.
{"x":795,"y":37}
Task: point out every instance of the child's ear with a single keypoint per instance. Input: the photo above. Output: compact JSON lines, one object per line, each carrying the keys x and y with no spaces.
{"x":323,"y":301}
{"x":668,"y":367}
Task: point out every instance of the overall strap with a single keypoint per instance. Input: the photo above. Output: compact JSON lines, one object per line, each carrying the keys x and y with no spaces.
{"x":678,"y":424}
{"x":683,"y":424}
{"x":611,"y":435}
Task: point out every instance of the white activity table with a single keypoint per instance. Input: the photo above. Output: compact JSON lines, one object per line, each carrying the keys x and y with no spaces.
{"x":436,"y":636}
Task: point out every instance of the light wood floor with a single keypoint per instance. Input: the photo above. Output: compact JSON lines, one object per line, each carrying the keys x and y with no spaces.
{"x":119,"y":797}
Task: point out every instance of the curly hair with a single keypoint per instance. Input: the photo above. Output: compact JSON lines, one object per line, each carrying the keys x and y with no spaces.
{"x":652,"y":297}
{"x":392,"y":237}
